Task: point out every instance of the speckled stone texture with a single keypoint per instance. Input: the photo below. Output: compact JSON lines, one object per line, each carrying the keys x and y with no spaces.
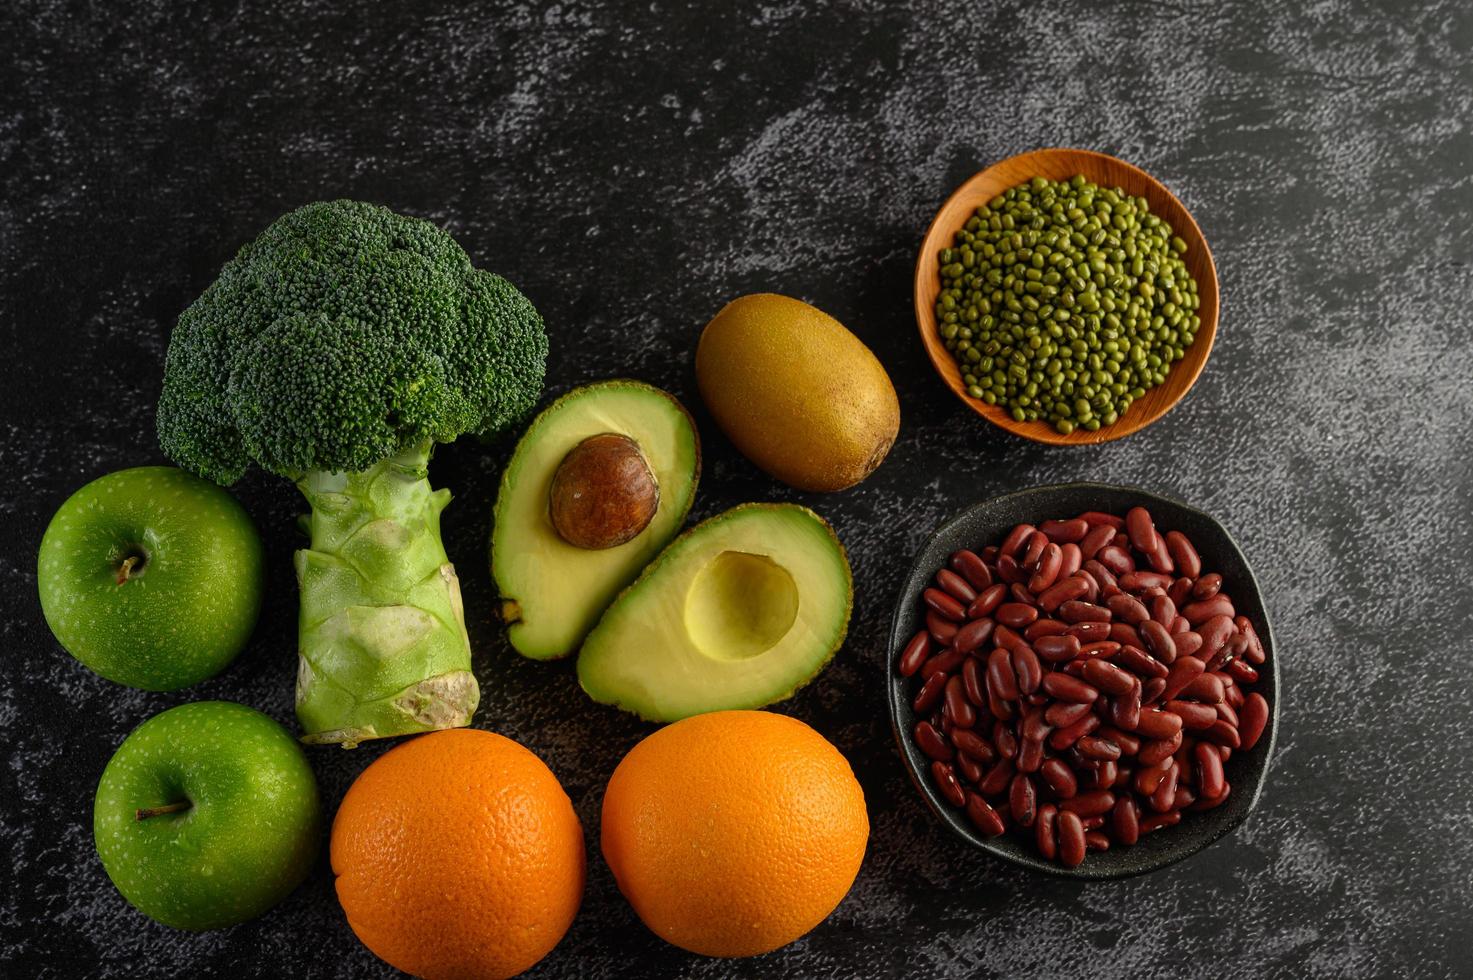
{"x":634,"y":166}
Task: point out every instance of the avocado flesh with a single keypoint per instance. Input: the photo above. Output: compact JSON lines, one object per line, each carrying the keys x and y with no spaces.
{"x":738,"y":612}
{"x":553,"y":592}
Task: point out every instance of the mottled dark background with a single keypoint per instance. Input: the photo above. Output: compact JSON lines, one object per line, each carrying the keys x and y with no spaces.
{"x":632,"y":167}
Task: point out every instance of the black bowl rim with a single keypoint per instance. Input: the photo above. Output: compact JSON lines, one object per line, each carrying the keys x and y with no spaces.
{"x":952,"y":818}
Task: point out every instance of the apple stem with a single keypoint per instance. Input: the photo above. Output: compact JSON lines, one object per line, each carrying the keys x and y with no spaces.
{"x":125,"y":572}
{"x":158,"y":811}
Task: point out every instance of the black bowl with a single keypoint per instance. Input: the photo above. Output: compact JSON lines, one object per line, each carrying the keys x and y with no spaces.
{"x":985,"y":524}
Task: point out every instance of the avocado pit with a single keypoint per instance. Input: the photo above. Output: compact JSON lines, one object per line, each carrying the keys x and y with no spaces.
{"x":603,"y":493}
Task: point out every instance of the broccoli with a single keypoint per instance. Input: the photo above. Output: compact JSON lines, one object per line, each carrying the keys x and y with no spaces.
{"x":336,"y":350}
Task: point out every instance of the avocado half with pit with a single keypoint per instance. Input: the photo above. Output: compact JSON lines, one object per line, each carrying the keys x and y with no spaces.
{"x":740,"y":611}
{"x":612,"y":466}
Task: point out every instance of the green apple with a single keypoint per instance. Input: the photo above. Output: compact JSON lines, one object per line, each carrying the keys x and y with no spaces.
{"x":207,"y":815}
{"x":152,"y":577}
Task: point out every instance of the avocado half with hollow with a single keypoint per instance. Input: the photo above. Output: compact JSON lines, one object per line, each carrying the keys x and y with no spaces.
{"x":740,"y":611}
{"x":596,"y":445}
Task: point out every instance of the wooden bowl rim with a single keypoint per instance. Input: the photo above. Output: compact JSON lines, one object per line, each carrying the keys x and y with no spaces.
{"x":1184,"y":373}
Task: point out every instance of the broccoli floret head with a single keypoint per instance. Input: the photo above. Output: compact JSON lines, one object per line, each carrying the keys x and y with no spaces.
{"x":344,"y":334}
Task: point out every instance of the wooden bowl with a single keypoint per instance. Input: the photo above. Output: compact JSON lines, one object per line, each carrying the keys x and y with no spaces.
{"x":1106,"y":171}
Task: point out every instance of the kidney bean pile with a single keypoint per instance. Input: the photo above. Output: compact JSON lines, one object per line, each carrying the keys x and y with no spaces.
{"x":1083,"y":681}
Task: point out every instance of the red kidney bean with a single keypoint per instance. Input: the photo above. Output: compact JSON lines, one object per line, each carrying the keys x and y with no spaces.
{"x":929,"y":695}
{"x":1207,"y":802}
{"x":1179,"y":590}
{"x":1070,"y":558}
{"x":1141,"y":581}
{"x":1153,"y":751}
{"x":1158,"y":724}
{"x":973,"y":635}
{"x":987,"y":601}
{"x":1044,"y":627}
{"x":1022,"y":800}
{"x":1065,"y":737}
{"x":1206,"y":689}
{"x":1065,"y":590}
{"x":1255,"y":653}
{"x":945,"y":662}
{"x":1148,"y":777}
{"x":955,"y":703}
{"x":1057,"y":649}
{"x":1188,"y":562}
{"x":1094,"y":747}
{"x":1075,"y":611}
{"x":1005,"y":740}
{"x":1140,"y":528}
{"x":967,"y":768}
{"x":1223,"y":734}
{"x":1001,"y":710}
{"x":1108,"y":678}
{"x":1207,"y":586}
{"x":1095,"y":517}
{"x":1062,"y":714}
{"x":983,"y":816}
{"x":1135,"y":659}
{"x":1047,"y":572}
{"x":1209,"y":771}
{"x":1089,"y":632}
{"x":1155,"y":822}
{"x":1091,"y":804}
{"x":1202,"y":610}
{"x":1151,"y":690}
{"x":1007,"y":638}
{"x":1194,"y":717}
{"x":1125,"y":820}
{"x":1129,"y":744}
{"x":1100,"y":575}
{"x":1103,"y":649}
{"x":1030,"y":755}
{"x":1008,"y":571}
{"x":1067,"y":688}
{"x":1125,"y":711}
{"x":955,"y":586}
{"x":970,"y":743}
{"x":1071,"y":843}
{"x":1094,"y":840}
{"x":1033,"y":549}
{"x":1001,"y":680}
{"x":1163,"y":610}
{"x":1018,"y":592}
{"x":1158,"y":642}
{"x":1043,"y":831}
{"x":1015,"y":615}
{"x":1027,"y":669}
{"x":1178,"y":625}
{"x":1116,"y":559}
{"x":943,"y":631}
{"x":1214,"y":631}
{"x":1183,"y":672}
{"x":914,"y":654}
{"x":1159,"y":558}
{"x":972,"y":568}
{"x":1128,"y":609}
{"x":1252,"y":720}
{"x":974,"y":681}
{"x":944,"y":776}
{"x":1065,"y":532}
{"x":944,"y":605}
{"x":1164,"y":797}
{"x":1188,"y":644}
{"x":1233,"y":649}
{"x":1231,"y":692}
{"x":932,"y":742}
{"x":1124,"y":633}
{"x":1242,"y":673}
{"x":1096,"y":538}
{"x":1059,"y":778}
{"x":1015,"y":540}
{"x":1185,"y":797}
{"x":997,"y":778}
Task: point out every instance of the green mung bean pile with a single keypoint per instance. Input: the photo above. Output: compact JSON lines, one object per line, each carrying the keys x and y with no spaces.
{"x":1065,"y":301}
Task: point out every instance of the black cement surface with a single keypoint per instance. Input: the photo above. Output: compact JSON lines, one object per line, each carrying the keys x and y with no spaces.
{"x":634,"y":166}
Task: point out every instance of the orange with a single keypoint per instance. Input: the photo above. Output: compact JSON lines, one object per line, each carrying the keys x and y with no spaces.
{"x":735,"y":832}
{"x":458,"y":855}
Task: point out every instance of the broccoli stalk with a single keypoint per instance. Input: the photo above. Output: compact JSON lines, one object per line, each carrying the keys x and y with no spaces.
{"x":336,"y":350}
